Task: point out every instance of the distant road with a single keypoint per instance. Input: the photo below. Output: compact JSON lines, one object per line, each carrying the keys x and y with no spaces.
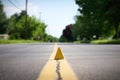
{"x":89,"y":62}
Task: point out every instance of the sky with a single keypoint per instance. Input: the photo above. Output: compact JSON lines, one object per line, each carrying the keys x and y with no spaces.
{"x":56,"y":14}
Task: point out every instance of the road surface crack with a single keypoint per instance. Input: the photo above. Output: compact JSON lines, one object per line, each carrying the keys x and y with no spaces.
{"x":58,"y":70}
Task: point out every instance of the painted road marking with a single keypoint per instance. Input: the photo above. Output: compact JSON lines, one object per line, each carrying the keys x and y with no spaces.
{"x":57,"y":69}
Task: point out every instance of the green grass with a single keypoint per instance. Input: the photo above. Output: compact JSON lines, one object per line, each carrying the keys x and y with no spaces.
{"x":17,"y":41}
{"x":77,"y":42}
{"x":105,"y":41}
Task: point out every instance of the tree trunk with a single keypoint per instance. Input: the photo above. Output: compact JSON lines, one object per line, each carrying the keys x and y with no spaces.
{"x":116,"y":31}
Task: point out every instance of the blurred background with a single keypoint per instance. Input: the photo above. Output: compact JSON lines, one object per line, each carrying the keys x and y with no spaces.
{"x":78,"y":21}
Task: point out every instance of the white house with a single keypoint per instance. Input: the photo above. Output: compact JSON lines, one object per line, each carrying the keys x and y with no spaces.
{"x":4,"y":36}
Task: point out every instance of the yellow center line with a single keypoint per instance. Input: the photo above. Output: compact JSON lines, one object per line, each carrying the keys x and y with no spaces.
{"x":53,"y":53}
{"x":57,"y":69}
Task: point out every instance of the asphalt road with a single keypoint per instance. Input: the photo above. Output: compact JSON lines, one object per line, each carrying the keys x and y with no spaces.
{"x":89,"y":62}
{"x":23,"y":61}
{"x":94,"y":62}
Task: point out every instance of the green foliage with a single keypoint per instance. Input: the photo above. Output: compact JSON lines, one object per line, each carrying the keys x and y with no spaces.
{"x":3,"y":19}
{"x":63,"y":39}
{"x":17,"y":27}
{"x":50,"y":38}
{"x":98,"y":18}
{"x":34,"y":29}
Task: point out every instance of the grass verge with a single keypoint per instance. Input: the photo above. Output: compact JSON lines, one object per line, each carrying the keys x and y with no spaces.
{"x":105,"y":41}
{"x":17,"y":41}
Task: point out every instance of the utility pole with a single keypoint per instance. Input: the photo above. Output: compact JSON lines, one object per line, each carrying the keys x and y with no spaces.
{"x":26,"y":25}
{"x":40,"y":15}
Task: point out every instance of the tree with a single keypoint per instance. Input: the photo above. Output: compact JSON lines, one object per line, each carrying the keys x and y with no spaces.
{"x":16,"y":26}
{"x":111,"y":11}
{"x":50,"y":38}
{"x":3,"y":20}
{"x":37,"y":29}
{"x":96,"y":18}
{"x":17,"y":29}
{"x":67,"y":34}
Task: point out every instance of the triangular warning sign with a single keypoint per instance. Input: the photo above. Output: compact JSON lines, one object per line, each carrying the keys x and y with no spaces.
{"x":59,"y":54}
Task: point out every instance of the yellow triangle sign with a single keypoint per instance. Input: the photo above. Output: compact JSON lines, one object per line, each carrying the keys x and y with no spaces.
{"x":59,"y":54}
